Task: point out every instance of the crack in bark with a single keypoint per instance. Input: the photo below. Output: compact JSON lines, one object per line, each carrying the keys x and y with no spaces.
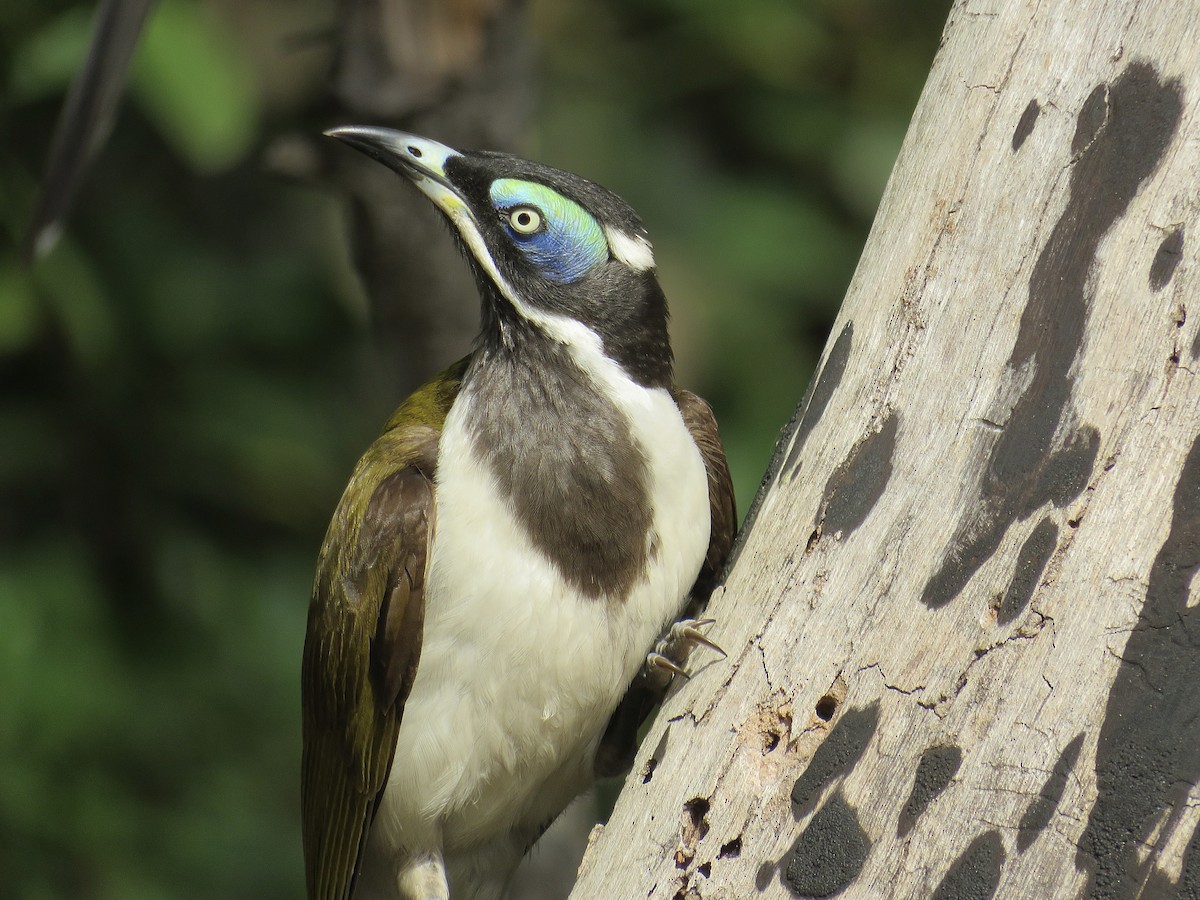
{"x":941,"y":704}
{"x":762,"y":656}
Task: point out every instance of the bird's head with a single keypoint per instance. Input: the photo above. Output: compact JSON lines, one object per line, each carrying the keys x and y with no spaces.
{"x":551,"y":251}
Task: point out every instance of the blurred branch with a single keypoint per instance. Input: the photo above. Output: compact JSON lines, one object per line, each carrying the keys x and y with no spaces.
{"x":86,"y":117}
{"x":460,"y":72}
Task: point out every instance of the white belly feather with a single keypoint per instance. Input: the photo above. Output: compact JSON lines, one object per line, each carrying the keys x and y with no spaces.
{"x":518,"y":673}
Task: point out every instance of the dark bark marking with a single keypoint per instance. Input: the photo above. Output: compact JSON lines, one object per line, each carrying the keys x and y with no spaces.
{"x":1065,"y":474}
{"x":935,"y":771}
{"x":1092,"y":117}
{"x":1031,"y":563}
{"x":1025,"y":124}
{"x":963,"y":559}
{"x":764,"y":875}
{"x":1041,"y":809}
{"x":1121,"y":135}
{"x":859,"y":481}
{"x":975,"y":875}
{"x":839,"y":752}
{"x":1170,"y":252}
{"x":1188,"y":887}
{"x":829,"y":853}
{"x":1148,"y":752}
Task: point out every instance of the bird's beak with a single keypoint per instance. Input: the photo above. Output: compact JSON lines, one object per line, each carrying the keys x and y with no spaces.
{"x":424,"y":162}
{"x":421,"y":160}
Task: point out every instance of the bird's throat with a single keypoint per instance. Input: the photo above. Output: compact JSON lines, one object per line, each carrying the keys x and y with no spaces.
{"x":562,"y":453}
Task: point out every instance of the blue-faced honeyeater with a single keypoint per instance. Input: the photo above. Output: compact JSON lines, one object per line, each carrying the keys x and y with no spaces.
{"x":482,"y":633}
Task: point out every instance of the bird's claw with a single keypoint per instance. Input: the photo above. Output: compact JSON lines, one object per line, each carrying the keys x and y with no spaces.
{"x":657,"y":661}
{"x":689,"y":630}
{"x":671,"y":653}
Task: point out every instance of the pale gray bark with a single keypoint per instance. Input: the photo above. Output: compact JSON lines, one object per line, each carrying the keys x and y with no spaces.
{"x":964,"y":647}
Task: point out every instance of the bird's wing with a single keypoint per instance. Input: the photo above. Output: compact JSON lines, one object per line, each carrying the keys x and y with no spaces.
{"x":364,"y":636}
{"x":702,"y":424}
{"x":619,"y":744}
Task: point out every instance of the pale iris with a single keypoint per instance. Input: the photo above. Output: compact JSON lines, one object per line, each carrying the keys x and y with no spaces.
{"x":570,"y":242}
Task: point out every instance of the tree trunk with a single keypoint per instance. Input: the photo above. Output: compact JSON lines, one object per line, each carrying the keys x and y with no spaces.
{"x":964,"y":659}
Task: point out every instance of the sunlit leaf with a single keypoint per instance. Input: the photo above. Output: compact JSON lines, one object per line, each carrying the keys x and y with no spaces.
{"x":196,"y":86}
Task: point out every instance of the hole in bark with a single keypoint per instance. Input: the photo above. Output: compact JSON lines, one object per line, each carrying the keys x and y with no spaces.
{"x":648,"y":770}
{"x":731,"y":849}
{"x":695,"y":825}
{"x":826,"y":707}
{"x":812,"y":541}
{"x":704,"y":869}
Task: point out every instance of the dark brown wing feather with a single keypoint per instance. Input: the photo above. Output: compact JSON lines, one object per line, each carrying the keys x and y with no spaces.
{"x":702,"y":424}
{"x":619,"y":743}
{"x":364,"y":636}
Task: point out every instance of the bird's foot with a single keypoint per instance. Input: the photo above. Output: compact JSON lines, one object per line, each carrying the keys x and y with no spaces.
{"x":670,"y":655}
{"x":668,"y":659}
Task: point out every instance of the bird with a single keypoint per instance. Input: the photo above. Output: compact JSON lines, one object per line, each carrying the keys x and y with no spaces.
{"x":512,"y":575}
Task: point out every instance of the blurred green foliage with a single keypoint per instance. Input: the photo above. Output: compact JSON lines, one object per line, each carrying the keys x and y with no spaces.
{"x":186,"y":383}
{"x":755,"y":139}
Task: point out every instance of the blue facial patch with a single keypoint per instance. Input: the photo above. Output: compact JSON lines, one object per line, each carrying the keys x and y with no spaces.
{"x":568,"y":241}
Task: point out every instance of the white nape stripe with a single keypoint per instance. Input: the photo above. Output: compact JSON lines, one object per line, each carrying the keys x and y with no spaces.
{"x":632,"y":249}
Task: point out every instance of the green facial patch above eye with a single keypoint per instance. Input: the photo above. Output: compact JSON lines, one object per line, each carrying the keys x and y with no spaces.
{"x":569,"y":243}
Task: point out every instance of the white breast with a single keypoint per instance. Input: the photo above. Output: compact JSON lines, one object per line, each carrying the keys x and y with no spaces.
{"x":518,"y":674}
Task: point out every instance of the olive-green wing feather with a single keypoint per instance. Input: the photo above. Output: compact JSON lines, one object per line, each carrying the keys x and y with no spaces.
{"x":618,"y":746}
{"x":364,"y":636}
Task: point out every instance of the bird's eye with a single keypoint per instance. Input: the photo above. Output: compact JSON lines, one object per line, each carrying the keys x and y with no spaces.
{"x":525,"y":220}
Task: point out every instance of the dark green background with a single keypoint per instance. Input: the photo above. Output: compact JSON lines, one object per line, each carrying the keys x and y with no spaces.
{"x":188,"y":378}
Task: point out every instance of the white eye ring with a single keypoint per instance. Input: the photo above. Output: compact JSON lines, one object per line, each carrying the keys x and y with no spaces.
{"x":525,"y":220}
